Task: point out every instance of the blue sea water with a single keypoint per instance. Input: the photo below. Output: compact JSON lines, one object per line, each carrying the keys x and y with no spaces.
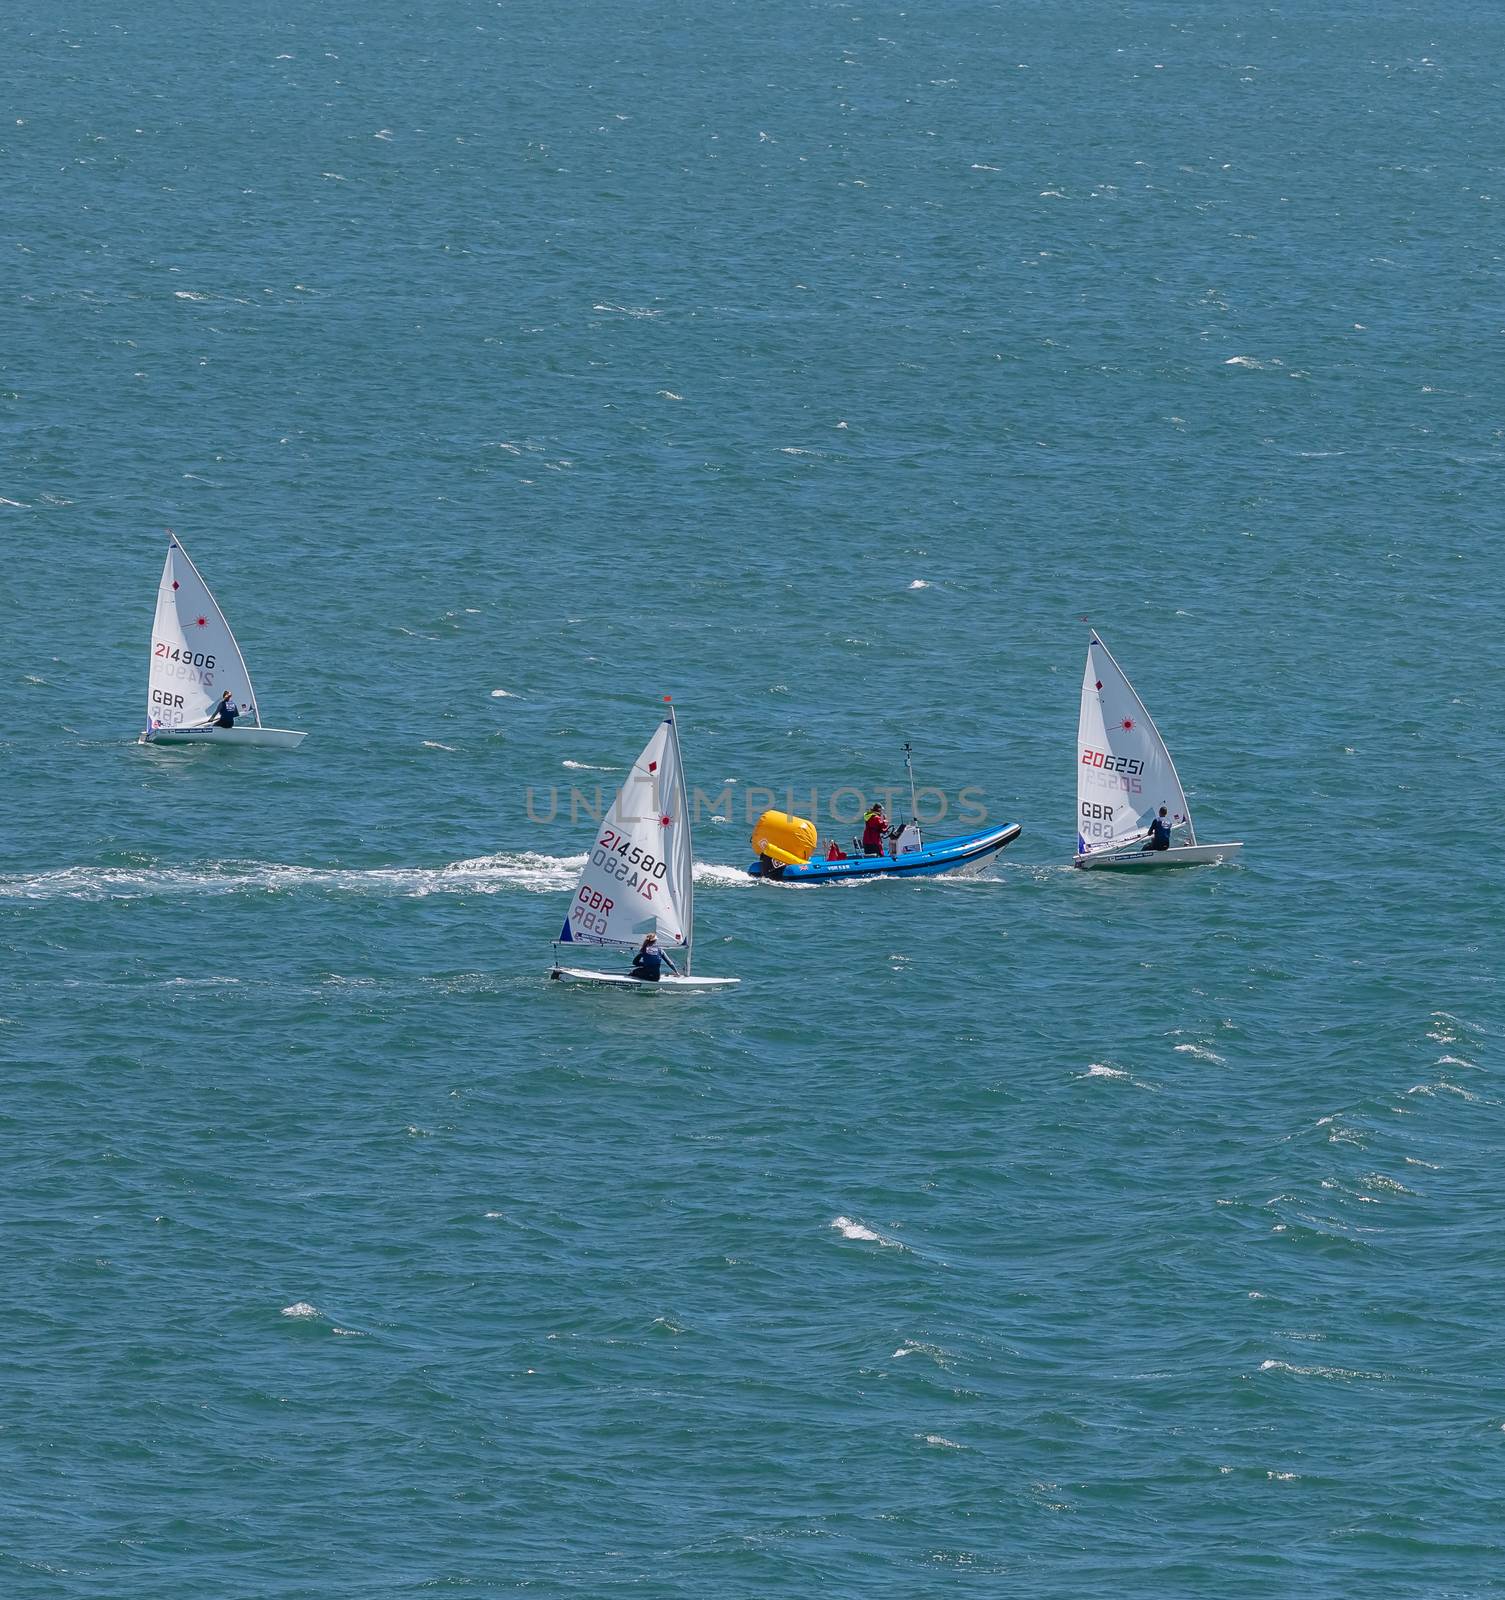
{"x":506,"y":367}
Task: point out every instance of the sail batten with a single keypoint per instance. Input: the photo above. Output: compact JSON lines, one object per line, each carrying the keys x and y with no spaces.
{"x":1124,"y":770}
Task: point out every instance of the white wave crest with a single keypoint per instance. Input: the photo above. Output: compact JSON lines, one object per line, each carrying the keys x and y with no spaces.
{"x":1348,"y":1373}
{"x":849,"y":1228}
{"x":1201,"y":1052}
{"x":915,"y":1347}
{"x":301,"y":1309}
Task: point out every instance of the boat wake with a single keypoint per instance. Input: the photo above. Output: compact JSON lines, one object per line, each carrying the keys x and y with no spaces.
{"x":526,"y":871}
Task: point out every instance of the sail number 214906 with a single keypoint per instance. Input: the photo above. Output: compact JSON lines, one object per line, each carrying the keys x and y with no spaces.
{"x":189,"y":658}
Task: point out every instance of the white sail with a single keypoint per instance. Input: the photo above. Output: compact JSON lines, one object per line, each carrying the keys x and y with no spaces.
{"x":1124,"y":771}
{"x":638,"y":876}
{"x":194,"y":655}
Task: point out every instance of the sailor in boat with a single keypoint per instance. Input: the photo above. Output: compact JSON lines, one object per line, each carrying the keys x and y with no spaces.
{"x":649,"y":961}
{"x":1160,"y":833}
{"x":225,"y":713}
{"x":874,"y":830}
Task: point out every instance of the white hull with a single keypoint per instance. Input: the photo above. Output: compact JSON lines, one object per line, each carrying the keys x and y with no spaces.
{"x":1179,"y":855}
{"x":620,"y":980}
{"x":264,"y":738}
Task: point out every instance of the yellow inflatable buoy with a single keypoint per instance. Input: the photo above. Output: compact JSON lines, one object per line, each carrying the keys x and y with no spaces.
{"x":788,"y":840}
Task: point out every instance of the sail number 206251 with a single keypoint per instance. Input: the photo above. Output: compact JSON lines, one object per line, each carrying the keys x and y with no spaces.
{"x":1109,"y":763}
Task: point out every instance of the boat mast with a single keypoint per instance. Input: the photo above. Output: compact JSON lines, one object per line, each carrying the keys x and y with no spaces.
{"x":684,"y":821}
{"x":174,"y":543}
{"x":914,"y":809}
{"x":1150,"y":722}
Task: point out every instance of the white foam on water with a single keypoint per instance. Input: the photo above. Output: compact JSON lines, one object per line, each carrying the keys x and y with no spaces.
{"x":1202,"y":1053}
{"x":1385,"y":1183}
{"x":914,"y":1347}
{"x":919,"y":583}
{"x":585,"y":766}
{"x":849,"y":1228}
{"x":1098,"y":1070}
{"x":525,"y":869}
{"x":938,"y":1441}
{"x":1346,"y":1374}
{"x":300,"y":1308}
{"x":723,"y":877}
{"x":504,"y":694}
{"x":433,"y":744}
{"x":1244,"y":361}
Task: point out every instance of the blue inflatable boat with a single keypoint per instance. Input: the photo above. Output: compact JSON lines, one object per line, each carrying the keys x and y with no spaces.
{"x":966,"y":852}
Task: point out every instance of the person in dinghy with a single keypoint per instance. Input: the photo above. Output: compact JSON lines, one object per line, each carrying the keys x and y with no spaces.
{"x":1160,"y":832}
{"x":224,"y":713}
{"x":649,"y":962}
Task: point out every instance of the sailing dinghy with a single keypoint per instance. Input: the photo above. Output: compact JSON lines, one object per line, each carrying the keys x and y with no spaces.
{"x":1124,"y":775}
{"x":194,"y":660}
{"x":639,"y":875}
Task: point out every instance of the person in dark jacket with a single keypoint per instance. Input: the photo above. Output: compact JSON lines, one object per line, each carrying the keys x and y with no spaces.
{"x":646,"y":964}
{"x":225,"y":713}
{"x":1160,"y":833}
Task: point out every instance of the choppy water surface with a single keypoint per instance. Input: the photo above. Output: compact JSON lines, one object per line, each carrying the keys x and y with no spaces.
{"x":507,"y":368}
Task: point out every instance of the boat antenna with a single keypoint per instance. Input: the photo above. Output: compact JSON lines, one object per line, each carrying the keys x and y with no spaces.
{"x":914,"y":810}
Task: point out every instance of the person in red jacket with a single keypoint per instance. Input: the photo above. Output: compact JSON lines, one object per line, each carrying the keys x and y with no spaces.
{"x":874,"y":826}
